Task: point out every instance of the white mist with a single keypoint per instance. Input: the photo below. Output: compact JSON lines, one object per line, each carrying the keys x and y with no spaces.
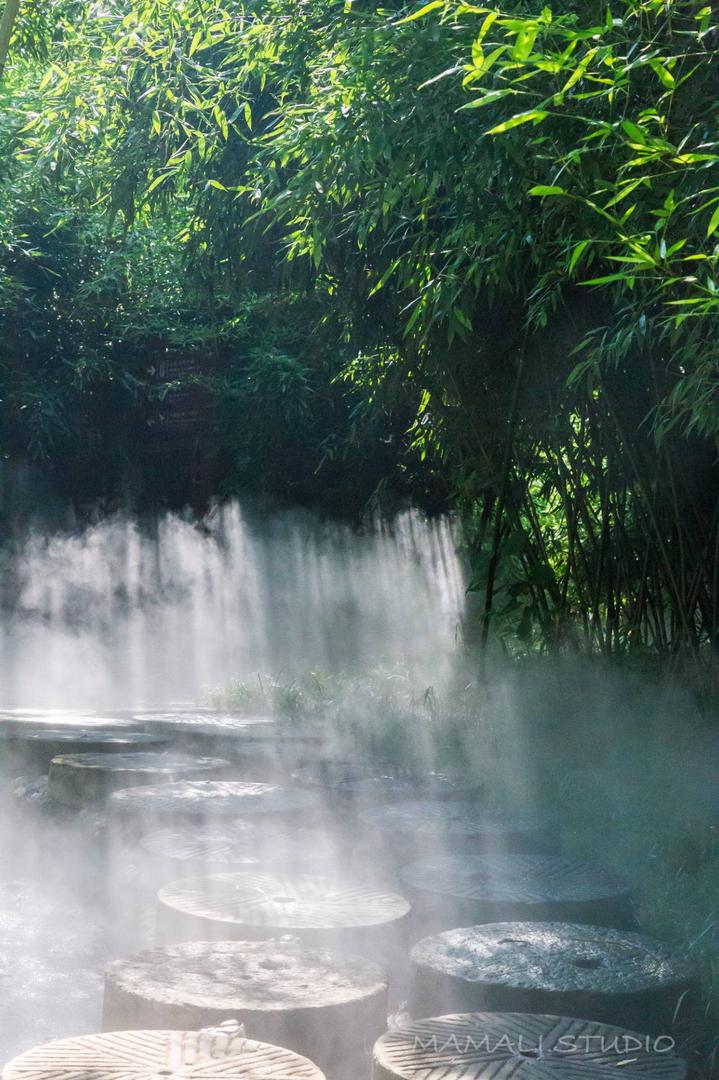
{"x":117,"y":615}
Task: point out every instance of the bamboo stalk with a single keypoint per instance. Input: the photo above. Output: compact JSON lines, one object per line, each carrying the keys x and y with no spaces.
{"x":678,"y":608}
{"x":7,"y":24}
{"x":506,"y":470}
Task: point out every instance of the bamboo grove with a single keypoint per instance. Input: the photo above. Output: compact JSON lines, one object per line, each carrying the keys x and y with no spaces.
{"x":464,"y":254}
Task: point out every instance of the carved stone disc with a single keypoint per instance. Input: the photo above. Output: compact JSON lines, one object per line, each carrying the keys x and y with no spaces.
{"x":212,"y":1054}
{"x":517,"y":1046}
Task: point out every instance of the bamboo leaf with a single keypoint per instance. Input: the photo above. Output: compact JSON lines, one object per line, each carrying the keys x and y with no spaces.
{"x":385,"y":277}
{"x":713,"y":223}
{"x":607,"y":279}
{"x":663,"y":74}
{"x":525,"y":41}
{"x":579,"y":70}
{"x":487,"y":99}
{"x":577,"y":253}
{"x":546,"y":189}
{"x":433,"y":6}
{"x":159,"y":180}
{"x":533,"y":116}
{"x":487,"y":25}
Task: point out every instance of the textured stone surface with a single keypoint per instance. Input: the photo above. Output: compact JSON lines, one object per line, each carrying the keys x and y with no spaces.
{"x":253,"y":906}
{"x":426,"y":826}
{"x":241,"y":844}
{"x":78,"y":779}
{"x":210,"y":799}
{"x":262,"y":747}
{"x":358,"y":783}
{"x":205,"y":722}
{"x":51,"y":716}
{"x":315,"y":1001}
{"x":35,"y":747}
{"x":461,"y":890}
{"x":149,"y":1055}
{"x":514,"y":1046}
{"x":562,"y":968}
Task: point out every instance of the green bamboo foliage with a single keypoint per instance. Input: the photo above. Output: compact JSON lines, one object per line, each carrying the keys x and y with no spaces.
{"x":503,"y":220}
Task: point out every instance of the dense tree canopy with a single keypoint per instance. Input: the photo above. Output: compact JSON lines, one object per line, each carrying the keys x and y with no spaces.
{"x":455,"y":252}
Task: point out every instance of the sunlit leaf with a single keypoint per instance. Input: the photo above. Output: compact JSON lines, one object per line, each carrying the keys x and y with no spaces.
{"x":546,"y":189}
{"x":532,"y":116}
{"x":425,"y":10}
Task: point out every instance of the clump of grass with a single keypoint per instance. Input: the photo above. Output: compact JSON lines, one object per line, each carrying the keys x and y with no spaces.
{"x":235,"y":696}
{"x":384,"y":712}
{"x":285,"y":698}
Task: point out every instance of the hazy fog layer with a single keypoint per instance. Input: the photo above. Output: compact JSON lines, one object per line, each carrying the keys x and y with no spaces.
{"x":117,"y":615}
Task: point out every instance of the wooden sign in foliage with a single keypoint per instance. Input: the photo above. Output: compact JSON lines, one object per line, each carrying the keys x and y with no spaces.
{"x":184,"y":402}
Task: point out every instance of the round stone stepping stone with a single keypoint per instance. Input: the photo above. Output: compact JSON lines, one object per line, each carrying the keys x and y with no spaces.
{"x":463,"y":890}
{"x":77,"y":779}
{"x":260,"y":743}
{"x":209,"y":724}
{"x":12,"y":724}
{"x":251,"y":905}
{"x":174,"y":707}
{"x":356,"y":783}
{"x":36,"y":747}
{"x":426,"y":827}
{"x":240,"y":845}
{"x":314,"y":1001}
{"x":566,"y":969}
{"x":210,"y":799}
{"x":211,"y":1054}
{"x":54,"y":716}
{"x":516,"y":1046}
